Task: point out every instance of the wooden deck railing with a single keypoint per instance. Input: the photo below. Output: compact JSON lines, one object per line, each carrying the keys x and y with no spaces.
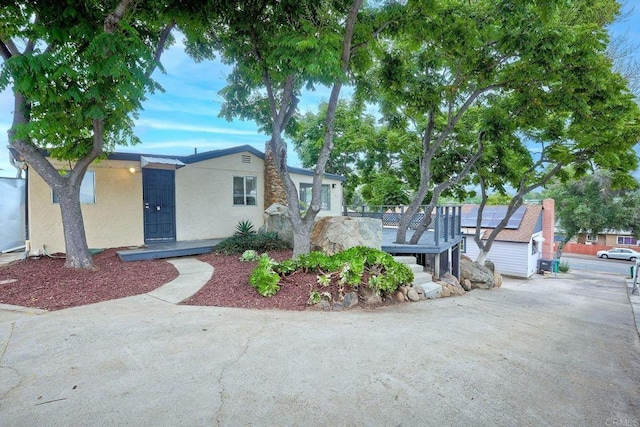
{"x":445,"y":220}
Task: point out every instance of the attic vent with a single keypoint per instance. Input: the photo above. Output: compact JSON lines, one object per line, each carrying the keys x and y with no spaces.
{"x":246,"y":158}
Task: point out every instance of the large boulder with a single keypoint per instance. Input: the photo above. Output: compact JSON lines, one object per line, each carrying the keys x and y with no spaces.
{"x":277,"y":220}
{"x":337,"y":233}
{"x":479,"y":275}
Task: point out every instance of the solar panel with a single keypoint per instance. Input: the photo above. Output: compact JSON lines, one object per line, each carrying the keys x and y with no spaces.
{"x":492,"y":216}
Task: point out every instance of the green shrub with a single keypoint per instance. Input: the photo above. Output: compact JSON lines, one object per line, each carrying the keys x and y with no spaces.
{"x":263,"y":278}
{"x":385,"y":274}
{"x":249,"y":255}
{"x":564,"y":267}
{"x":259,"y":242}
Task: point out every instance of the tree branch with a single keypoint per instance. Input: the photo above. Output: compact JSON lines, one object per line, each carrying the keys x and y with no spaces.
{"x":114,"y":18}
{"x":4,"y":51}
{"x":162,"y":41}
{"x":10,"y":47}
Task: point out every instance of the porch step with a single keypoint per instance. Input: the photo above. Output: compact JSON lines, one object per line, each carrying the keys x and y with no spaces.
{"x":405,"y":259}
{"x":420,"y":277}
{"x":168,"y":250}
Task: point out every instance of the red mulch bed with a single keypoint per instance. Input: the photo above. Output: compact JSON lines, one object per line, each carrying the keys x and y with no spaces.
{"x":45,"y":283}
{"x":229,"y":286}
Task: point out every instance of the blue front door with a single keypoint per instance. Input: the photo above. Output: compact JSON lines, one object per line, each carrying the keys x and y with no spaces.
{"x":158,"y":193}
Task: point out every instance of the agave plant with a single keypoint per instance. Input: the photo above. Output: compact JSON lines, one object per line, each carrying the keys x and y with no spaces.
{"x":245,"y":228}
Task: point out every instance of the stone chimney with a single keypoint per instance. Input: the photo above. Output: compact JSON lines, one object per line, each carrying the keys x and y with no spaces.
{"x":548,"y":228}
{"x":274,"y":191}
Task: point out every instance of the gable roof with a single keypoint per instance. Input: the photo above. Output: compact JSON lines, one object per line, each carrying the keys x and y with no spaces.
{"x":528,"y":226}
{"x":208,"y":155}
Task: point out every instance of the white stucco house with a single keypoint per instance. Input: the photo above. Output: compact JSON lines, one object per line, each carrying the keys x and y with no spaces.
{"x":527,"y":238}
{"x":134,"y":199}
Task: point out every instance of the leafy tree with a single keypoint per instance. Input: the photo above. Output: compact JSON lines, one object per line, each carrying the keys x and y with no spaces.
{"x":277,"y":48}
{"x":78,"y":71}
{"x":505,"y":77}
{"x":368,"y":156}
{"x":592,"y":204}
{"x":353,"y":130}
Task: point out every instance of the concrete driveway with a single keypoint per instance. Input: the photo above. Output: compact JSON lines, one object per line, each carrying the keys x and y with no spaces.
{"x":548,"y":351}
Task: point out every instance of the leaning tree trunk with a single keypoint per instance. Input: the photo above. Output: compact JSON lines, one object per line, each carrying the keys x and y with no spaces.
{"x":75,"y":239}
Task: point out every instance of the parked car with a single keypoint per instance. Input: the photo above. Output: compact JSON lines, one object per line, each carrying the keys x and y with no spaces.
{"x":619,"y":253}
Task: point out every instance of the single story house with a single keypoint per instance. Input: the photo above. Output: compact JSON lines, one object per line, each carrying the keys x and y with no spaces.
{"x":622,"y":238}
{"x":516,"y":250}
{"x":133,"y":199}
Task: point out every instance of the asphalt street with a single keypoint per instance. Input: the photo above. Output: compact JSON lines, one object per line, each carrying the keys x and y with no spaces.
{"x":548,"y":351}
{"x":593,"y":263}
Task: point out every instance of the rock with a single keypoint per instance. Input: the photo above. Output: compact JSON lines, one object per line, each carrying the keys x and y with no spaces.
{"x":449,"y":278}
{"x":369,"y":297}
{"x":413,"y":295}
{"x":404,"y":290}
{"x":338,"y":306}
{"x":335,"y":234}
{"x":466,"y":284}
{"x":419,"y":289}
{"x":277,"y":220}
{"x":445,"y":290}
{"x":490,"y":265}
{"x":350,"y":300}
{"x":497,"y":278}
{"x":479,"y":276}
{"x":466,"y":258}
{"x":399,"y":296}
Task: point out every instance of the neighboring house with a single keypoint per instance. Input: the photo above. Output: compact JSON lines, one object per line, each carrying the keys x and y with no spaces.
{"x":517,"y":249}
{"x":135,"y":199}
{"x":610,"y":238}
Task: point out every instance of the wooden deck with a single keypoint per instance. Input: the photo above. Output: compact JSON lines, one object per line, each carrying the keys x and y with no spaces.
{"x":426,"y":245}
{"x":169,"y":250}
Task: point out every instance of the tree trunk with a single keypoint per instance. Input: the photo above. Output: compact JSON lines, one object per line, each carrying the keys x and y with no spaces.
{"x":78,"y":255}
{"x":482,"y":256}
{"x":302,"y":238}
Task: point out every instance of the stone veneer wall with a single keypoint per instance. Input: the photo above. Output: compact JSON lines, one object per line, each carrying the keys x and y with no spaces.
{"x":273,"y":187}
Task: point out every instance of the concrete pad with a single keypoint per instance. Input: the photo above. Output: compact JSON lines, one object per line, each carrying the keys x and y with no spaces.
{"x":193,"y":276}
{"x":535,"y":352}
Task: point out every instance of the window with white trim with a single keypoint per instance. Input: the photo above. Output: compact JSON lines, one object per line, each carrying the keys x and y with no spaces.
{"x":626,"y":240}
{"x":87,"y":189}
{"x":245,"y":190}
{"x":305,"y":196}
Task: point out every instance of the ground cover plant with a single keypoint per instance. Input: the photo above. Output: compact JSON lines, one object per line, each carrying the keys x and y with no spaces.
{"x":349,"y":270}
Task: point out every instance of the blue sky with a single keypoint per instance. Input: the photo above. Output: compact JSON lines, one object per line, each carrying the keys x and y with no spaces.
{"x":185,"y":116}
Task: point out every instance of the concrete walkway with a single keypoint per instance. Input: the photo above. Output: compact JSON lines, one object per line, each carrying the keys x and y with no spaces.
{"x":193,"y":275}
{"x":554,"y":351}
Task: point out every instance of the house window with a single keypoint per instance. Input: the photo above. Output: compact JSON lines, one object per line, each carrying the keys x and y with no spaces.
{"x":626,"y":240}
{"x":305,"y":196}
{"x":245,"y":190}
{"x":87,"y":189}
{"x":534,"y":247}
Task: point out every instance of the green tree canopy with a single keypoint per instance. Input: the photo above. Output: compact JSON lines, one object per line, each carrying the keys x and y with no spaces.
{"x":79,"y":72}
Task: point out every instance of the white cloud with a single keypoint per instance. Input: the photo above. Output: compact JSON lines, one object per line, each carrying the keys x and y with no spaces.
{"x":164,"y":125}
